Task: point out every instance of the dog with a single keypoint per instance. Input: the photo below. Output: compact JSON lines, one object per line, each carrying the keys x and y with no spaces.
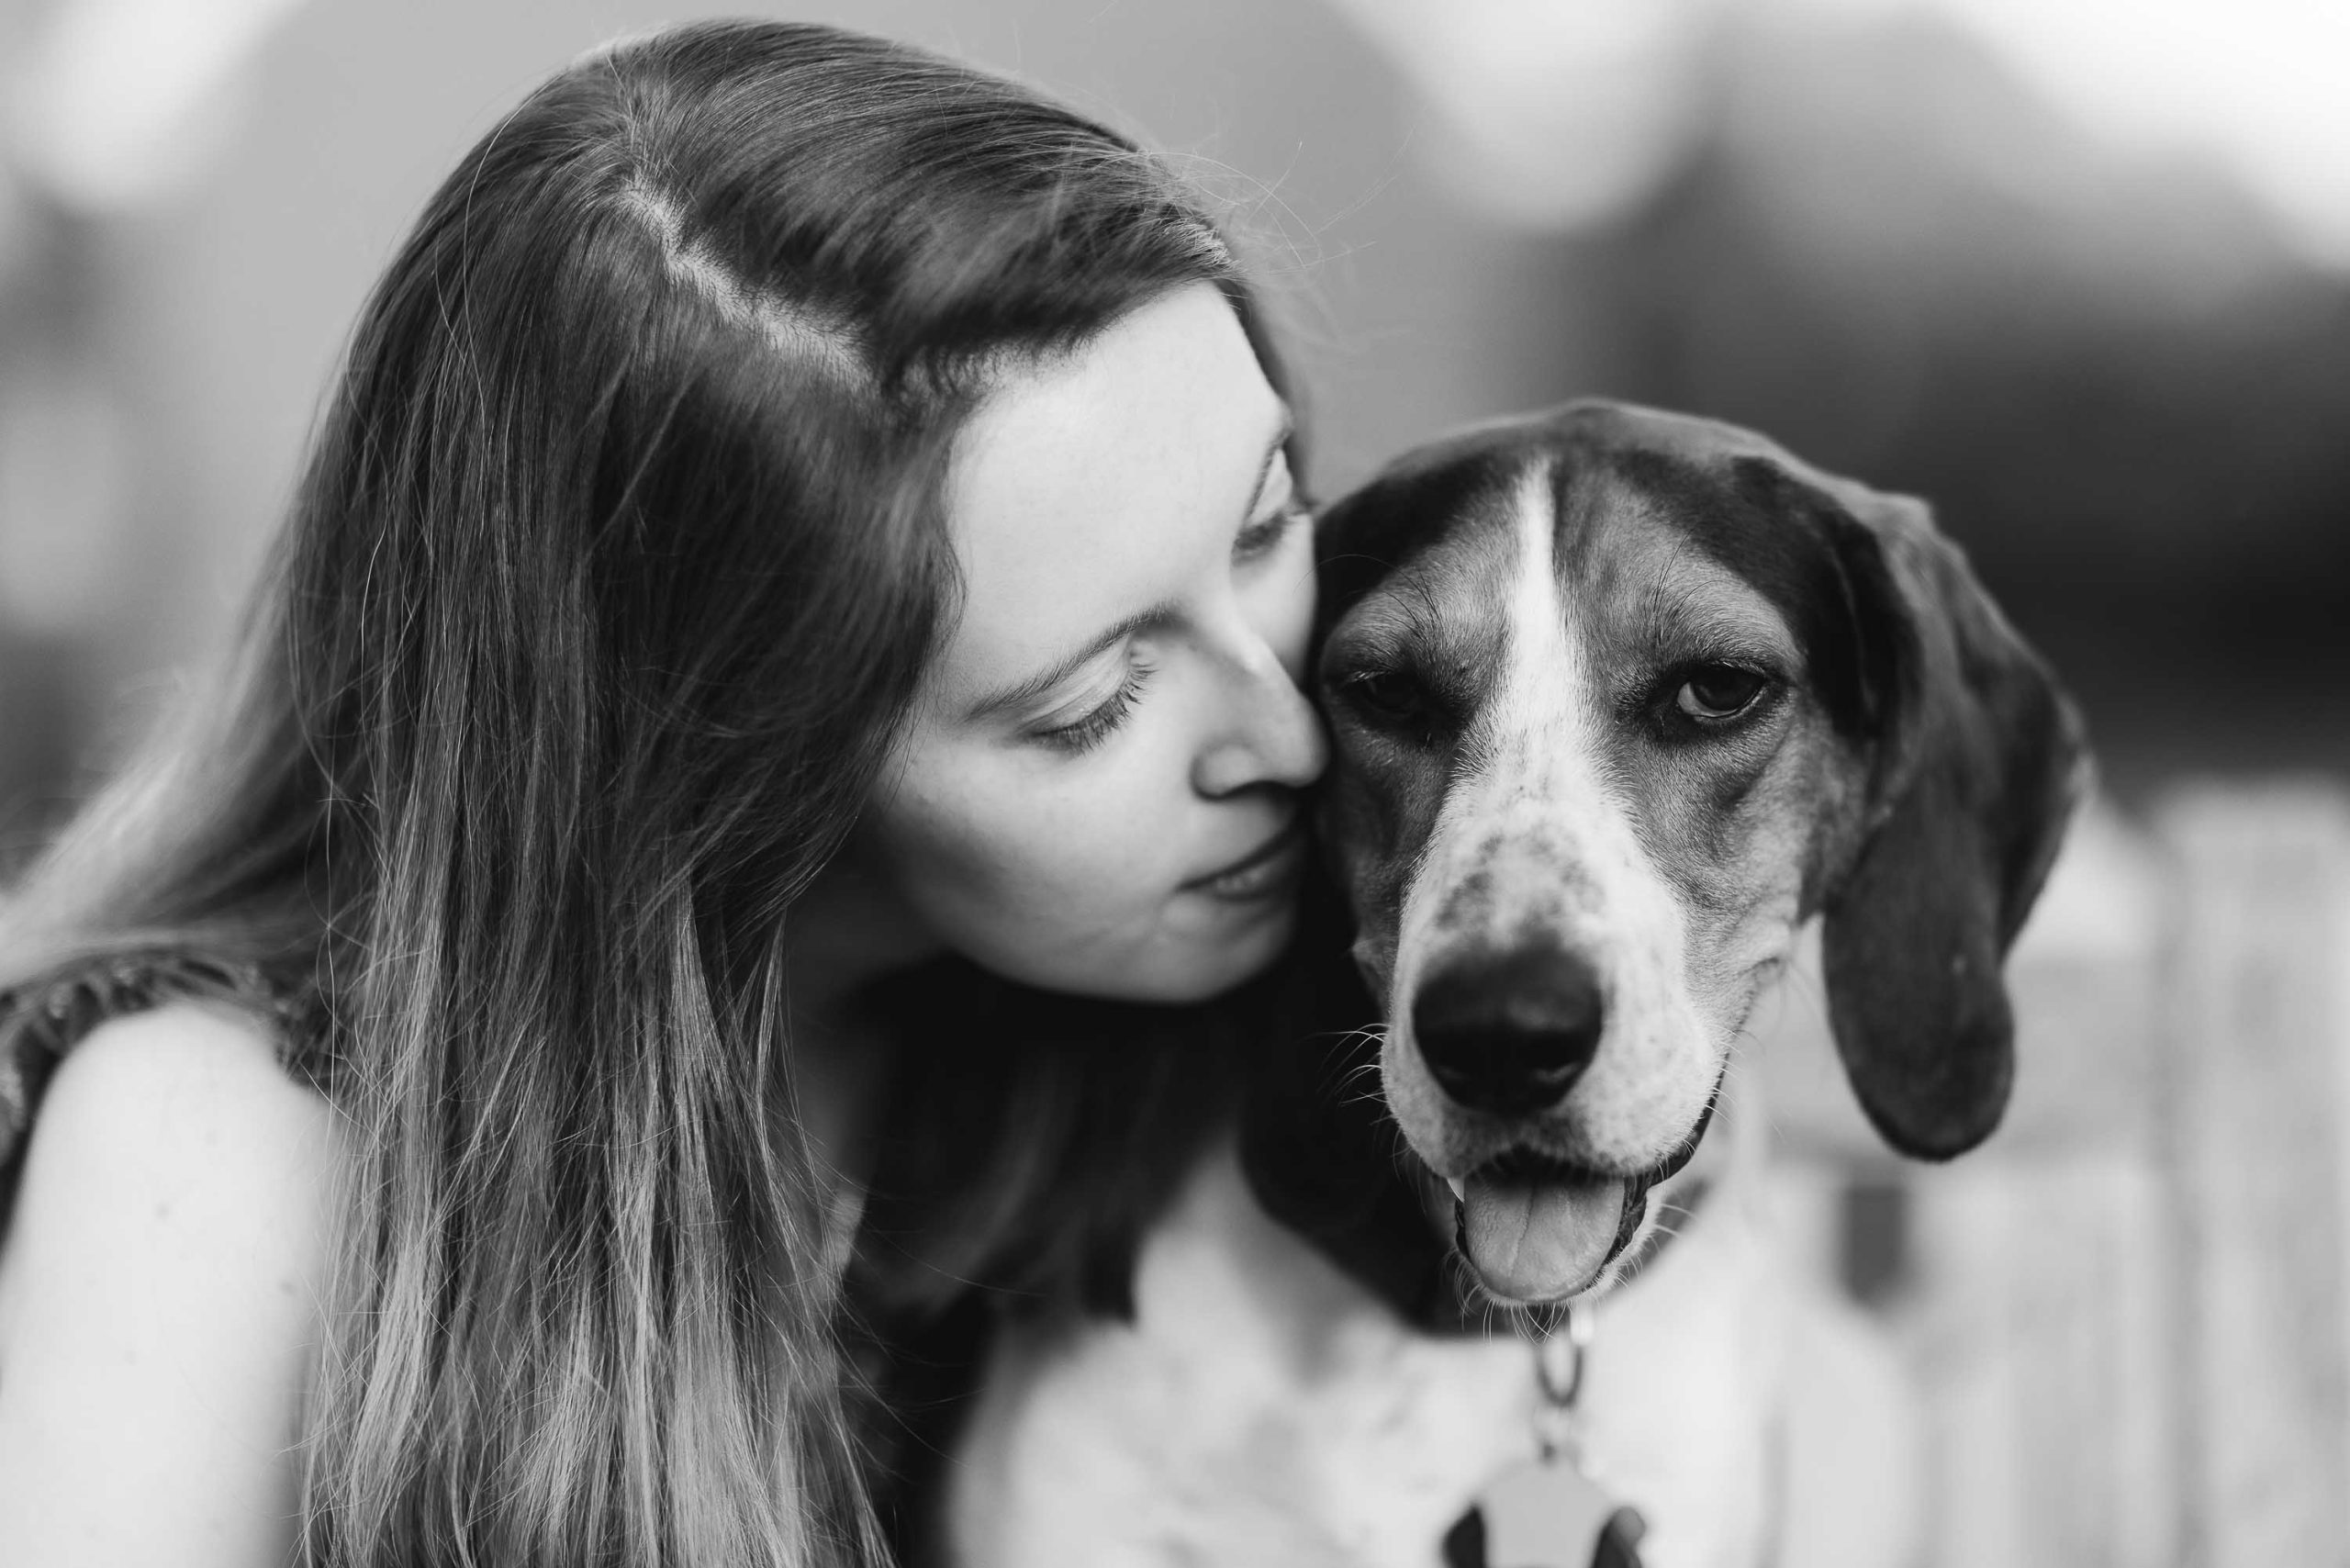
{"x":1621,"y":702}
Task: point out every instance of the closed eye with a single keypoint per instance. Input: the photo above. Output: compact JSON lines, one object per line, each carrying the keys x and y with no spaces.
{"x":1259,"y":538}
{"x":1099,"y":722}
{"x":1280,"y":509}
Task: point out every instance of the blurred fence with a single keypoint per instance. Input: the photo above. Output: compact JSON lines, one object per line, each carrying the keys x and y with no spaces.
{"x":2128,"y":1317}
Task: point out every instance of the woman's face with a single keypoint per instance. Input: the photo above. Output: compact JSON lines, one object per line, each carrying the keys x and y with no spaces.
{"x":1098,"y":792}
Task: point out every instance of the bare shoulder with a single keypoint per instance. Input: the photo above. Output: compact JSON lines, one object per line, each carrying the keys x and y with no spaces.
{"x":171,"y":1133}
{"x":184,"y":1073}
{"x":161,"y":1286}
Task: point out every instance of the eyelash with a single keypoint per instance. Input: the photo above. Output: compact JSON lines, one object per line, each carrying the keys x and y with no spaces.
{"x":1099,"y":725}
{"x":1259,"y":537}
{"x":1085,"y":733}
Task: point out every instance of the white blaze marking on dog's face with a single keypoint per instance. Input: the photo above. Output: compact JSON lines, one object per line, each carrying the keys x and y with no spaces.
{"x":1534,"y":843}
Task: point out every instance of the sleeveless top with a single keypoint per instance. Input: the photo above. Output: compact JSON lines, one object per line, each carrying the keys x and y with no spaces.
{"x":38,"y":1025}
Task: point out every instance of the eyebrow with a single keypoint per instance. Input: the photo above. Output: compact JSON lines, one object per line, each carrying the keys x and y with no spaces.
{"x":1028,"y":690}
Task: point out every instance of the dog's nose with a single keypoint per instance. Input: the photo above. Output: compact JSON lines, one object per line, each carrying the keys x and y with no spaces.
{"x":1509,"y":1033}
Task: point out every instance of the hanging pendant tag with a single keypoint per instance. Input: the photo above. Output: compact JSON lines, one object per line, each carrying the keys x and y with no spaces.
{"x":1544,"y":1516}
{"x":1548,"y":1512}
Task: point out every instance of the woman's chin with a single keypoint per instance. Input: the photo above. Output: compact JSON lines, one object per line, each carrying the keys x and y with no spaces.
{"x":1211,"y":962}
{"x":1190,"y":961}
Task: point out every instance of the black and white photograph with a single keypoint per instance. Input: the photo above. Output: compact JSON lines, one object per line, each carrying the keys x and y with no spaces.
{"x":1174,"y":784}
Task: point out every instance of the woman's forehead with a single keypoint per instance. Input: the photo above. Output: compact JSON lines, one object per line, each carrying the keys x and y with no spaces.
{"x":1092,"y":486}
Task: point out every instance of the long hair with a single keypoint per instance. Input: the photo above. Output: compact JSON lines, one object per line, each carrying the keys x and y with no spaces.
{"x":610,"y":579}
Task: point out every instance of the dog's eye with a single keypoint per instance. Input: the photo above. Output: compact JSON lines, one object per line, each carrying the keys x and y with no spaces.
{"x":1389,"y":695}
{"x":1717,"y":691}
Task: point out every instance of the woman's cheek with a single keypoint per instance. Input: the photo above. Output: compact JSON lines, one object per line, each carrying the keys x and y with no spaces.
{"x":1099,"y":842}
{"x":944,"y":837}
{"x":1007,"y":840}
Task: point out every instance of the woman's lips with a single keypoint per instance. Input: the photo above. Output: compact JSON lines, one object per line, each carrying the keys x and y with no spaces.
{"x":1264,"y":869}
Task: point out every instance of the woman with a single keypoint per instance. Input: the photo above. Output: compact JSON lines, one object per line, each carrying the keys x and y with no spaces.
{"x":795,"y":507}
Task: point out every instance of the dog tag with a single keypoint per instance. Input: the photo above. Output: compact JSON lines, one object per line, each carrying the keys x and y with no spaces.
{"x":1544,"y":1514}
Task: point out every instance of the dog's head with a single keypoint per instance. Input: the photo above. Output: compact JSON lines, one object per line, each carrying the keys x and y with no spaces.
{"x":1620,"y":698}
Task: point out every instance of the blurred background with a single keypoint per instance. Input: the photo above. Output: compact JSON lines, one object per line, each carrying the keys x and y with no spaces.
{"x":2078,"y":271}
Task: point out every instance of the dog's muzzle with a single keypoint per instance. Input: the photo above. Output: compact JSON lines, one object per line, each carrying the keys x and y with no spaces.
{"x":1506,"y":1035}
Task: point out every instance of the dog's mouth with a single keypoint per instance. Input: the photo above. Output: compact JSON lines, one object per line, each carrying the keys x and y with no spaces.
{"x":1538,"y":1229}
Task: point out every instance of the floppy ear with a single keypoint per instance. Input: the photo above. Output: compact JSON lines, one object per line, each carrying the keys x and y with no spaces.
{"x":1976,"y":762}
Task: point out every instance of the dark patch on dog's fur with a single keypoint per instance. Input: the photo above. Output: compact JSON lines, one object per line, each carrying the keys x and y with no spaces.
{"x":1470,"y":901}
{"x":1320,"y":1151}
{"x":1384,"y":528}
{"x":1793,"y":545}
{"x":1983,"y":768}
{"x":1426,"y":628}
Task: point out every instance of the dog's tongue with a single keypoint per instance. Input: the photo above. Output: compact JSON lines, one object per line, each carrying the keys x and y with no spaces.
{"x":1540,"y":1240}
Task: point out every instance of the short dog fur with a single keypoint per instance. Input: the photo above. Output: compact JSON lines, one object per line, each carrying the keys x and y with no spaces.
{"x":1620,"y":700}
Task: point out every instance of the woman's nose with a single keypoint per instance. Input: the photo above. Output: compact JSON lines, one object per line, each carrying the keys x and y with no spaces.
{"x":1268,"y":734}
